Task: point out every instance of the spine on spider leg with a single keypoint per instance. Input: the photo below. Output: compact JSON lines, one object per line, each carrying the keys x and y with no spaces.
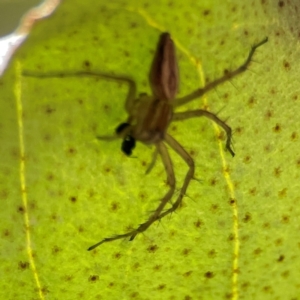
{"x":164,"y":75}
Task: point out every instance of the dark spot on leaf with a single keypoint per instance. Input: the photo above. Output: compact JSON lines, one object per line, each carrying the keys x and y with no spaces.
{"x":106,"y":107}
{"x":186,"y":251}
{"x":209,"y":274}
{"x":247,"y":218}
{"x":157,"y":267}
{"x":212,"y":253}
{"x":107,"y":169}
{"x":198,"y":223}
{"x":252,"y":191}
{"x":44,"y":290}
{"x":6,"y":233}
{"x":278,"y":242}
{"x":192,"y":153}
{"x":277,"y":128}
{"x":4,"y":194}
{"x":23,"y":265}
{"x":221,"y":135}
{"x":47,"y":137}
{"x":73,"y":199}
{"x":117,"y":255}
{"x":285,"y":274}
{"x":282,"y":193}
{"x":187,"y":274}
{"x":225,"y":96}
{"x":257,"y":251}
{"x":21,"y":209}
{"x":142,"y":196}
{"x":68,"y":278}
{"x":280,"y":258}
{"x":247,"y":159}
{"x":93,"y":278}
{"x":251,"y":102}
{"x":213,"y":181}
{"x":239,"y":130}
{"x":294,"y":136}
{"x":50,"y":176}
{"x":91,"y":193}
{"x":231,"y":237}
{"x":172,"y":233}
{"x":214,"y":207}
{"x":281,"y":4}
{"x":152,"y":248}
{"x":285,"y":219}
{"x":49,"y":110}
{"x":115,"y":206}
{"x":227,"y":169}
{"x":134,"y":295}
{"x":87,"y":63}
{"x":206,"y":12}
{"x":245,"y":285}
{"x":71,"y":150}
{"x":136,"y":265}
{"x":245,"y":238}
{"x":266,"y":225}
{"x":56,"y":250}
{"x":268,"y":114}
{"x":287,"y":65}
{"x":231,"y":201}
{"x":277,"y":171}
{"x":173,"y":128}
{"x":161,"y":286}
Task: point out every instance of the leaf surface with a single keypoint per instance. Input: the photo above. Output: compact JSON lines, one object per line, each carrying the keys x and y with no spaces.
{"x":62,"y":190}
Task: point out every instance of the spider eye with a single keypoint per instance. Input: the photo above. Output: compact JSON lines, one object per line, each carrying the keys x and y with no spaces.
{"x":128,"y":144}
{"x":121,"y":127}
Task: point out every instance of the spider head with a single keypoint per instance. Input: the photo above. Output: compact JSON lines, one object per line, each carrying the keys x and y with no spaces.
{"x":128,"y":141}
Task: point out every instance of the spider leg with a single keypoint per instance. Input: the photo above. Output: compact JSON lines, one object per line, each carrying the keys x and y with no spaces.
{"x":132,"y":86}
{"x":207,"y":114}
{"x":162,"y":150}
{"x":107,"y":137}
{"x":227,"y":76}
{"x":189,"y":175}
{"x":152,"y":164}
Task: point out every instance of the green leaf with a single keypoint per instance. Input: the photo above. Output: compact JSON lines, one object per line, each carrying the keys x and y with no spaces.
{"x":62,"y":190}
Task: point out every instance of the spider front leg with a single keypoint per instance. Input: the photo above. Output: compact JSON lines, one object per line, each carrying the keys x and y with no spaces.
{"x":227,"y":76}
{"x":162,"y":150}
{"x":204,"y":113}
{"x":130,"y":98}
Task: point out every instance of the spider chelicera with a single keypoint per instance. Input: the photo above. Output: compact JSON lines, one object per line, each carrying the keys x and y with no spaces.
{"x":150,"y":116}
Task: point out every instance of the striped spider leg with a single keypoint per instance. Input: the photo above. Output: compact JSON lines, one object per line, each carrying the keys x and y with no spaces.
{"x":149,"y":118}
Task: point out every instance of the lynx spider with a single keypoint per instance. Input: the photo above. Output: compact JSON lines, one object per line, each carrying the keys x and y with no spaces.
{"x":149,"y":118}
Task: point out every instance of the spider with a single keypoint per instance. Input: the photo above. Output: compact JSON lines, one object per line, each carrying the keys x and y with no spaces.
{"x":150,"y":116}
